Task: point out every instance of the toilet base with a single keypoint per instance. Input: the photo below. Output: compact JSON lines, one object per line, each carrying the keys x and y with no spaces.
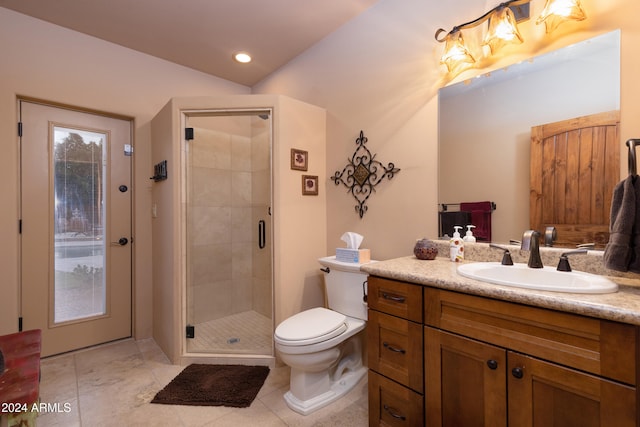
{"x":336,"y":391}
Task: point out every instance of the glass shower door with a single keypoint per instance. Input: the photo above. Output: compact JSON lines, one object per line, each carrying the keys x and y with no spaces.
{"x":228,"y":233}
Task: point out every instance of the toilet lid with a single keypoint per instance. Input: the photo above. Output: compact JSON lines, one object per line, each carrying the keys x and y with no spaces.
{"x":311,"y":326}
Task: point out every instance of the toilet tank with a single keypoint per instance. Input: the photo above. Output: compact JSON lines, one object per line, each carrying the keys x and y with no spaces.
{"x":346,"y":287}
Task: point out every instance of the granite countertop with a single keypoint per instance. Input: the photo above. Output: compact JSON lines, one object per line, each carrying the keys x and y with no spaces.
{"x":621,"y":306}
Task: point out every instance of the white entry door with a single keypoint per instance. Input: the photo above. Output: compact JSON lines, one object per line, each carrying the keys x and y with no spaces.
{"x":76,"y":234}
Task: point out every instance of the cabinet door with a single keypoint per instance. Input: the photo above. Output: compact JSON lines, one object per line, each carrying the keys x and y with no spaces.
{"x":543,"y":394}
{"x":464,"y":381}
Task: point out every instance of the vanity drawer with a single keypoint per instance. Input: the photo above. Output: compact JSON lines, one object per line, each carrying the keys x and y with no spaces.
{"x":391,"y":404}
{"x":396,"y":298}
{"x":395,"y":349}
{"x":592,"y":345}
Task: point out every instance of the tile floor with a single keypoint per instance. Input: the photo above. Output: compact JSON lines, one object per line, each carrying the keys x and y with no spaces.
{"x":112,"y":385}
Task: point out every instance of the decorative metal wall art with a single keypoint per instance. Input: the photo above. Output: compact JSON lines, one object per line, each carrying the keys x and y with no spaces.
{"x":362,"y":174}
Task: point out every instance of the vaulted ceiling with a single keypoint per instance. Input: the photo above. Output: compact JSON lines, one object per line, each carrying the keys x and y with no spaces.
{"x":203,"y":34}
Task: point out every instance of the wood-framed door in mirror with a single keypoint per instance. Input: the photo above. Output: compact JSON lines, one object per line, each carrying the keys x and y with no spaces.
{"x":574,"y":166}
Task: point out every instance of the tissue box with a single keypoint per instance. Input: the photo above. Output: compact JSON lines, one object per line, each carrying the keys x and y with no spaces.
{"x":359,"y":256}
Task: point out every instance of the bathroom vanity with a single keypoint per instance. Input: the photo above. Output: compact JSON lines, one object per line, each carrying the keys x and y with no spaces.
{"x":447,"y":350}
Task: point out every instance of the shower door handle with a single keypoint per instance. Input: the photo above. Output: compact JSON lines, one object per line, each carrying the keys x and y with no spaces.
{"x":261,"y":234}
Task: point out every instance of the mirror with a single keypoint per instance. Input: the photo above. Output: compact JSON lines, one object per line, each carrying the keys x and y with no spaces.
{"x":485,"y":125}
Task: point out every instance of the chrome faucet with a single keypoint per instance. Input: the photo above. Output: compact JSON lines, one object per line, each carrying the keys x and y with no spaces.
{"x":531,"y":243}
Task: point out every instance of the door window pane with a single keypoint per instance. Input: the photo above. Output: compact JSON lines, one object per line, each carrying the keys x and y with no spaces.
{"x":79,"y":223}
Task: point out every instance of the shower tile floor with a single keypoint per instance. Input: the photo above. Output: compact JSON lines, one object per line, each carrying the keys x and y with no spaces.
{"x":113,"y":384}
{"x":248,"y":332}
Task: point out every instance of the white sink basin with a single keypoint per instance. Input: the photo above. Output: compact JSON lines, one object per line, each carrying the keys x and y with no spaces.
{"x":543,"y":279}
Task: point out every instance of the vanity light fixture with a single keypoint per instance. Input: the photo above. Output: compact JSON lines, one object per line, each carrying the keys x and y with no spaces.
{"x":242,"y":57}
{"x":556,"y":12}
{"x":502,"y":29}
{"x":456,"y":56}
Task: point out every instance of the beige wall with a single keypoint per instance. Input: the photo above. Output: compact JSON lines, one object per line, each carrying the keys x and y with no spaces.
{"x":48,"y":62}
{"x":380,"y":73}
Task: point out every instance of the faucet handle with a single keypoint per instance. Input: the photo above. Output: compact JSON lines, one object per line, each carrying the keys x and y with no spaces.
{"x":586,"y":246}
{"x":506,"y":258}
{"x":563,"y":265}
{"x":550,"y":236}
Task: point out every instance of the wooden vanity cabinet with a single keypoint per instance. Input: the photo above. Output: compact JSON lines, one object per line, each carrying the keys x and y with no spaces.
{"x":394,"y":347}
{"x":489,"y":362}
{"x":470,"y":383}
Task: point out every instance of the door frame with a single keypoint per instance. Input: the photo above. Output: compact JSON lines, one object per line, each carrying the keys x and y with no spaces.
{"x":184,"y":356}
{"x":106,"y":114}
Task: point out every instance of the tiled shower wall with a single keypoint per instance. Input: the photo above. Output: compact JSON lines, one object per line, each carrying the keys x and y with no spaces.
{"x":229,"y":184}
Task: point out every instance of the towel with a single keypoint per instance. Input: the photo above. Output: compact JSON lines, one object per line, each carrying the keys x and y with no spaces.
{"x":622,"y":227}
{"x":634,"y":263}
{"x":480,"y":217}
{"x":449,"y":219}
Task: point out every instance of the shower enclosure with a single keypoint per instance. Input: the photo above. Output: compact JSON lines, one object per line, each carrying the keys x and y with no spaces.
{"x":227,"y":232}
{"x":235,"y":239}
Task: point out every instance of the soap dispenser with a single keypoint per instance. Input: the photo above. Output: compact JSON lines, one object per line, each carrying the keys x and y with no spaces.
{"x":456,"y":246}
{"x":469,"y":237}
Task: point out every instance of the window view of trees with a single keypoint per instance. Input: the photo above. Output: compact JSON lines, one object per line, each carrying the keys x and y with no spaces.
{"x":79,"y":245}
{"x":78,"y":185}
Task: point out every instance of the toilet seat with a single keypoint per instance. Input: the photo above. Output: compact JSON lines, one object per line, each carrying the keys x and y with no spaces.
{"x":310,"y":327}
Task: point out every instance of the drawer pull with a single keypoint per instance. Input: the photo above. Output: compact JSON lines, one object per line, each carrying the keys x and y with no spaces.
{"x":392,"y":348}
{"x":393,"y":298}
{"x":393,"y":413}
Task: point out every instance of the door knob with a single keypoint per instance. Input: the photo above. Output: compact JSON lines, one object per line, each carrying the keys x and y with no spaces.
{"x":121,"y":241}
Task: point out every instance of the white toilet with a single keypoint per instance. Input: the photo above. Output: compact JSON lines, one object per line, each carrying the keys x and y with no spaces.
{"x":323,"y":346}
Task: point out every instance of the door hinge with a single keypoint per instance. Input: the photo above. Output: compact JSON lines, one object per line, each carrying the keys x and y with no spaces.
{"x":20,"y":324}
{"x":191,"y":331}
{"x":188,"y":134}
{"x":20,"y":129}
{"x":19,"y":226}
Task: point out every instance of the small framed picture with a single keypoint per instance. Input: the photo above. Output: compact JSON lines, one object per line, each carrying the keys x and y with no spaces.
{"x":309,"y":185}
{"x":299,"y":159}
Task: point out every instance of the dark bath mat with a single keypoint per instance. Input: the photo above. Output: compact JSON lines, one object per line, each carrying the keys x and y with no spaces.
{"x":214,"y":385}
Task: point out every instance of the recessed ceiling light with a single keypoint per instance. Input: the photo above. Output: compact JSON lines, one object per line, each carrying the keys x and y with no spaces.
{"x":242,"y":57}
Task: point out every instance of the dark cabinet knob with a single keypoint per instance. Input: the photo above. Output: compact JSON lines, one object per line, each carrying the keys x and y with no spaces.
{"x":517,"y":372}
{"x":492,"y":364}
